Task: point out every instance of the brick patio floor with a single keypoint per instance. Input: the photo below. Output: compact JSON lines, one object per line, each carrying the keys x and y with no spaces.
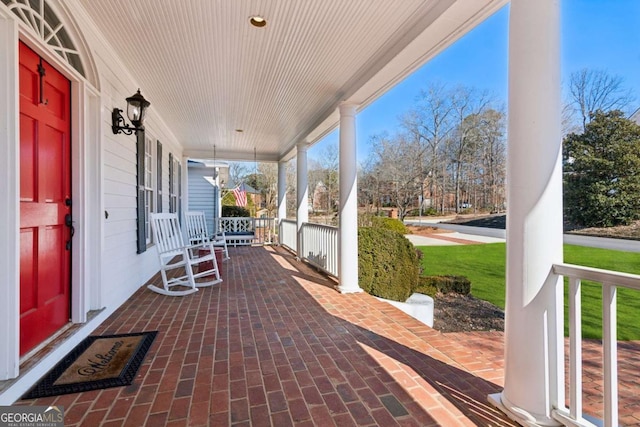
{"x":275,"y":344}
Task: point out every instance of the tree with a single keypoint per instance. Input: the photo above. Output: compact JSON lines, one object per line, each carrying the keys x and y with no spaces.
{"x":330,"y":163}
{"x":602,"y":172}
{"x":469,"y":107}
{"x":494,"y":156}
{"x":429,"y":122}
{"x":314,"y":174}
{"x":237,"y":172}
{"x":323,"y":180}
{"x":593,"y":90}
{"x":369,"y":184}
{"x":460,"y":132}
{"x":265,"y":180}
{"x":399,"y":169}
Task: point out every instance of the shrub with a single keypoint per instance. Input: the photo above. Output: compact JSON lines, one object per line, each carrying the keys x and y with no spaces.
{"x":389,"y":224}
{"x":419,"y":256}
{"x":228,"y":199}
{"x":235,"y":211}
{"x":431,"y":285}
{"x":430,"y":211}
{"x":385,"y":223}
{"x":388,"y":266}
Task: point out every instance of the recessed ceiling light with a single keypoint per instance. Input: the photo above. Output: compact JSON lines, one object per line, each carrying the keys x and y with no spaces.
{"x":239,"y":130}
{"x":257,"y":21}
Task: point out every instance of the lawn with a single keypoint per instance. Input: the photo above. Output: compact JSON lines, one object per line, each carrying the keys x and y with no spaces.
{"x":484,"y":265}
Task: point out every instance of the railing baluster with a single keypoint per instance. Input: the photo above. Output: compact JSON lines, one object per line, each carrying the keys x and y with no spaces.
{"x":610,"y":281}
{"x":610,"y":350}
{"x":317,"y":239}
{"x":575,"y":347}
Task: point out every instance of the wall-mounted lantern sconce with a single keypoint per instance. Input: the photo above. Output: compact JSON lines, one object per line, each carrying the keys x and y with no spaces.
{"x":136,"y":109}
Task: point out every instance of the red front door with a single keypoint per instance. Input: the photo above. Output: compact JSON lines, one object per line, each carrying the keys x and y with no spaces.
{"x":45,"y":200}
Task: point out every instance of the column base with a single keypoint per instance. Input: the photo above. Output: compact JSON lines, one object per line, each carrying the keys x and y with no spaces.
{"x":348,"y":290}
{"x":519,"y":415}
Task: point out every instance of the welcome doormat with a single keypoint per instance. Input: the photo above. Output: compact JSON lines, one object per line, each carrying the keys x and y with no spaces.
{"x":97,"y":362}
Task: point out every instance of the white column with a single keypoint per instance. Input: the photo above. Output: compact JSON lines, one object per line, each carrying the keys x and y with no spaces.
{"x":348,"y":234}
{"x":218,"y":197}
{"x":184,"y":184}
{"x":534,"y":372}
{"x":302,"y":192}
{"x":282,"y":190}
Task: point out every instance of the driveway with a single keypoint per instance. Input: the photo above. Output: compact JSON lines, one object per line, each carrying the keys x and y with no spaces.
{"x":449,"y":239}
{"x":479,"y":233}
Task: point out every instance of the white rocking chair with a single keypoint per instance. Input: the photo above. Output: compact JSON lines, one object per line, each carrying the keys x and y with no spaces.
{"x":197,"y":232}
{"x":174,"y":254}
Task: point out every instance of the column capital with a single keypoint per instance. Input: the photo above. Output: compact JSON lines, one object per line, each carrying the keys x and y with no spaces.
{"x":302,"y":146}
{"x":347,"y":108}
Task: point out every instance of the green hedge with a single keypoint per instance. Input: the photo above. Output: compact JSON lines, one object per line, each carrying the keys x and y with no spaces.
{"x":388,"y":266}
{"x":384,"y":222}
{"x":425,"y":212}
{"x":431,"y":285}
{"x":235,"y":211}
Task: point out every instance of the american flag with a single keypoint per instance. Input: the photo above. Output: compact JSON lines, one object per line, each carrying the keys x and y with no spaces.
{"x":240,"y":193}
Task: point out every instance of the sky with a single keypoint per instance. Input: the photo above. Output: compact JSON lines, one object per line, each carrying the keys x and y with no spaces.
{"x":596,"y":34}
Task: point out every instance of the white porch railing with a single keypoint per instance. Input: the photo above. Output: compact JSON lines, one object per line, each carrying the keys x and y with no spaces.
{"x":256,"y":230}
{"x":610,"y":281}
{"x":319,"y":244}
{"x":320,"y":247}
{"x":287,"y":234}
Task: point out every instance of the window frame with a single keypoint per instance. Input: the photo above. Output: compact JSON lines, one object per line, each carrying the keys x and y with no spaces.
{"x":149,"y":184}
{"x":141,"y":217}
{"x":175,"y":183}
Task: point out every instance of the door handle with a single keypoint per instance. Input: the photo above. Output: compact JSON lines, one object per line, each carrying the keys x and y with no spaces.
{"x":69,"y":223}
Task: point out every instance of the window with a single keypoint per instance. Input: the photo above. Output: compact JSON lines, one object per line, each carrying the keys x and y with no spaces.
{"x":159,"y":176}
{"x":149,"y":174}
{"x":141,"y":211}
{"x":179,"y":185}
{"x":38,"y":15}
{"x":172,"y":207}
{"x":149,"y":188}
{"x":174,"y":185}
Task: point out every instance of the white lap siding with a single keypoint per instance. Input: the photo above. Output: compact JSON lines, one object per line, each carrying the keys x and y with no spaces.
{"x":123,"y":269}
{"x":202,"y":194}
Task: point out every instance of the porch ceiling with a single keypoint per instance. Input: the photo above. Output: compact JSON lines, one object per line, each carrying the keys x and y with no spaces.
{"x":208,"y":72}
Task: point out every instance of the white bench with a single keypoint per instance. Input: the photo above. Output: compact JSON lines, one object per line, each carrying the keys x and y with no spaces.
{"x":240,"y":238}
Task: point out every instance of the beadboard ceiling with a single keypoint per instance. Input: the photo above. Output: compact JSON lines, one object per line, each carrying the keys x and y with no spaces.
{"x":208,"y":72}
